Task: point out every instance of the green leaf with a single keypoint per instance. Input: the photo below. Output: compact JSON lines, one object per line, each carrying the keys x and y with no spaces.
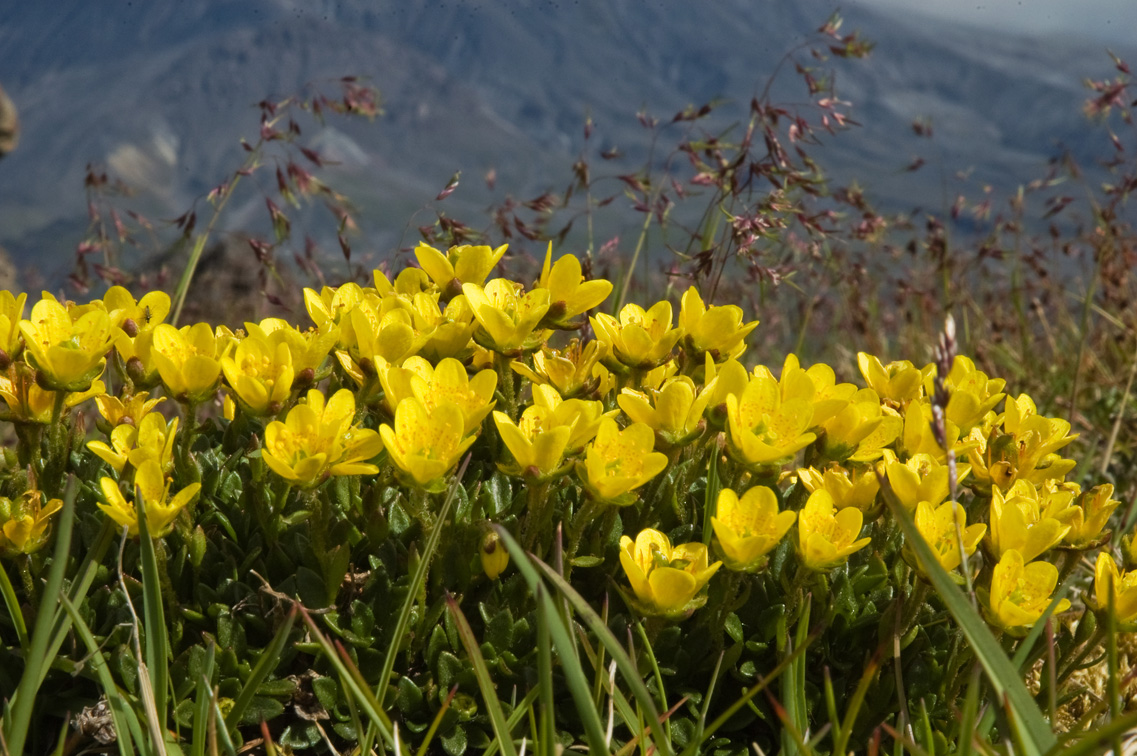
{"x":1027,"y":719}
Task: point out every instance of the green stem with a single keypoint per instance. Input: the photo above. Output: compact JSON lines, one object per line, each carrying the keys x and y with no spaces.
{"x":506,"y":384}
{"x":12,"y":602}
{"x":579,"y":524}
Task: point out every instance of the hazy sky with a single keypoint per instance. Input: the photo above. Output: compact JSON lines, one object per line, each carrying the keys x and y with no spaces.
{"x":1111,"y":21}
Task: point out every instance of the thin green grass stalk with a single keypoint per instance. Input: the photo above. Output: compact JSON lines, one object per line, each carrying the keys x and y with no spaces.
{"x":124,"y":719}
{"x":520,"y":709}
{"x":352,"y":680}
{"x":793,"y":704}
{"x":701,"y":725}
{"x":1027,"y":719}
{"x":485,"y":682}
{"x":434,"y":723}
{"x":157,"y":639}
{"x":902,"y":741}
{"x":201,"y":705}
{"x":12,"y":603}
{"x":562,"y":641}
{"x":658,"y":677}
{"x":218,"y":734}
{"x":77,"y":593}
{"x":201,"y":239}
{"x":970,"y":714}
{"x":623,"y":661}
{"x":1113,"y":691}
{"x":546,"y":714}
{"x":407,"y":609}
{"x":266,"y":663}
{"x":842,"y":734}
{"x":18,"y":714}
{"x":693,"y":747}
{"x":145,"y":681}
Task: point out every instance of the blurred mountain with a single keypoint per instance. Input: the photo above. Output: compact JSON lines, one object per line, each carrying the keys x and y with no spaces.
{"x":161,"y":92}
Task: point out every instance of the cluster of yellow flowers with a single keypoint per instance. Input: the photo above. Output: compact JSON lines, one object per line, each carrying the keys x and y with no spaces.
{"x":416,"y":367}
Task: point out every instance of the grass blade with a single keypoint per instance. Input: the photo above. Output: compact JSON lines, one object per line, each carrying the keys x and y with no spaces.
{"x":201,"y":706}
{"x":562,"y":642}
{"x":124,"y":718}
{"x":266,"y":663}
{"x":17,"y":723}
{"x":485,"y":682}
{"x":615,"y":650}
{"x":407,"y":609}
{"x":1004,"y":676}
{"x":153,"y":615}
{"x":12,"y":603}
{"x":354,"y":683}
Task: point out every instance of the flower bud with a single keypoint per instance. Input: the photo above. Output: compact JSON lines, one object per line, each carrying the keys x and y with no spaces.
{"x":494,"y":556}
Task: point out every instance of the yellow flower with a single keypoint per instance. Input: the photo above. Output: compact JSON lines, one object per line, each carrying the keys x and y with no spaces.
{"x":378,"y":330}
{"x":918,"y":437}
{"x":764,"y":428}
{"x":128,"y":411}
{"x":971,"y":394}
{"x":827,"y":537}
{"x":717,"y":331}
{"x":447,"y":383}
{"x":639,"y":339}
{"x":11,"y":313}
{"x":153,"y":438}
{"x":897,"y":382}
{"x":536,"y":443}
{"x":495,"y":557}
{"x":937,"y":525}
{"x":447,"y":333}
{"x":582,"y":415}
{"x":572,"y":371}
{"x":426,"y":445}
{"x":569,"y":294}
{"x":329,"y":307}
{"x":188,"y":360}
{"x":861,"y":430}
{"x":817,"y":385}
{"x":1090,"y":516}
{"x":721,"y":381}
{"x":1123,"y":586}
{"x":137,"y":358}
{"x":460,"y":265}
{"x":260,"y":374}
{"x":1021,"y":592}
{"x":922,"y":478}
{"x":161,"y":510}
{"x":317,"y":440}
{"x":677,"y":414}
{"x":507,"y":315}
{"x":749,"y":528}
{"x":69,"y":354}
{"x":28,"y":403}
{"x":849,"y":488}
{"x":1018,"y":523}
{"x":1025,"y":450}
{"x":308,"y":348}
{"x":25,"y":522}
{"x":618,"y":461}
{"x":143,"y":314}
{"x":666,"y":580}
